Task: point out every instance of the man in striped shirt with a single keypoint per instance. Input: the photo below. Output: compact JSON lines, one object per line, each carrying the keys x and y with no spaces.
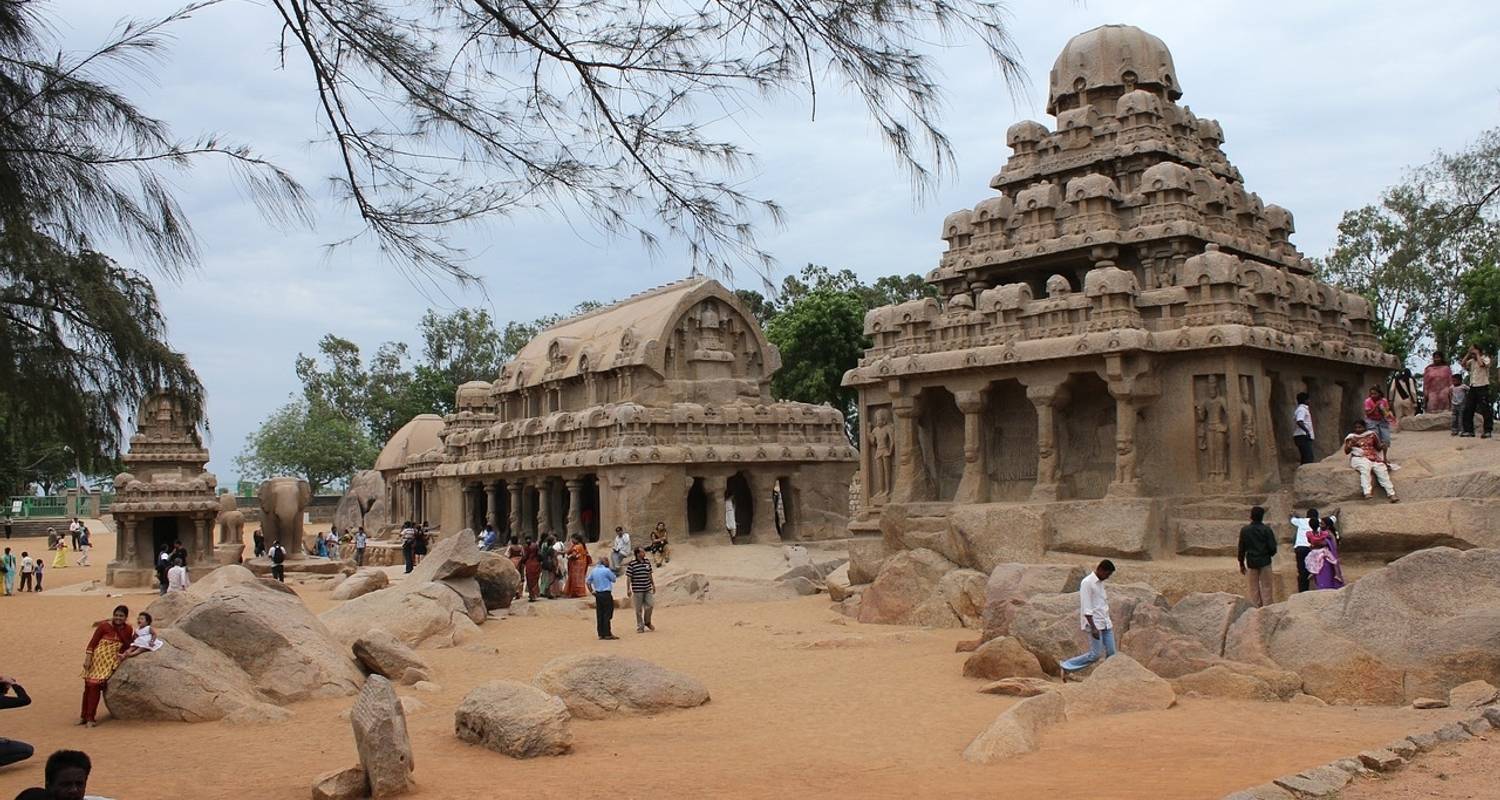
{"x":642,"y":589}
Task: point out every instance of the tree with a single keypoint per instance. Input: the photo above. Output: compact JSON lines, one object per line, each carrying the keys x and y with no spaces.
{"x":309,"y":440}
{"x":820,"y":336}
{"x":1479,"y":317}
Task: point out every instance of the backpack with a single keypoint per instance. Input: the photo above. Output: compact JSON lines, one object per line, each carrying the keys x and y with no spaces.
{"x":278,"y":554}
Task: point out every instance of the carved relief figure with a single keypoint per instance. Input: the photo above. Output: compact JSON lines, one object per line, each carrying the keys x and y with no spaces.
{"x":1213,"y":432}
{"x":885,"y":450}
{"x":1247,"y":410}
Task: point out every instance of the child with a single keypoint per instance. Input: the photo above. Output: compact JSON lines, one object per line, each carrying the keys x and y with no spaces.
{"x":1458,"y":396}
{"x":145,"y":641}
{"x":36,"y":574}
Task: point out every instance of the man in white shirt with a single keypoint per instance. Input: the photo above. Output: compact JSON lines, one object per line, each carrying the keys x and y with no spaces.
{"x":1302,"y":425}
{"x":1093,"y":617}
{"x":361,"y":541}
{"x":1478,"y":398}
{"x":620,"y":549}
{"x":177,"y":577}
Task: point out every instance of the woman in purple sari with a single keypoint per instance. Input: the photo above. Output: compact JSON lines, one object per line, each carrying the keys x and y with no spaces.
{"x":1323,"y":558}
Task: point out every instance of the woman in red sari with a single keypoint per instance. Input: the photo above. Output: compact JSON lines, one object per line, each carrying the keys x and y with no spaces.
{"x":532,"y":560}
{"x":102,"y":658}
{"x":578,"y":565}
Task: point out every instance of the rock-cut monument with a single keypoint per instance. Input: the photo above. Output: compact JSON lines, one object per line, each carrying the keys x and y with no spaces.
{"x":654,"y":409}
{"x":1121,"y":330}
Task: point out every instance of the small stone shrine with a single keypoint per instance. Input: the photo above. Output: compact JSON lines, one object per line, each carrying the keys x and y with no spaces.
{"x":1121,"y":332}
{"x":656,"y":408}
{"x":164,"y":496}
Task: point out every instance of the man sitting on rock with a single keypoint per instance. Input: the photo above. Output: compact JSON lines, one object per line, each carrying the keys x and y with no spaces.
{"x":1093,"y":614}
{"x":1367,"y":455}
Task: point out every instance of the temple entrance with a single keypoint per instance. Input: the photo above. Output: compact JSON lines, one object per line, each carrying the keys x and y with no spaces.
{"x":165,"y":533}
{"x":502,"y":507}
{"x":782,"y":503}
{"x":1283,"y":403}
{"x":1010,"y":441}
{"x":738,"y":492}
{"x":1086,"y":439}
{"x":941,"y":435}
{"x":531,"y":501}
{"x":697,"y":507}
{"x":588,"y":512}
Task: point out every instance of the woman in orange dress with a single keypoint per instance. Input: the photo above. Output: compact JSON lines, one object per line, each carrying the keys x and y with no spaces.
{"x":102,"y":658}
{"x":578,"y":565}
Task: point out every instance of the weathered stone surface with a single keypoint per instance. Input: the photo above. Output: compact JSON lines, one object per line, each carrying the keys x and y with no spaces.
{"x":499,"y":581}
{"x":1477,"y":726}
{"x":349,"y":783}
{"x":1304,"y":699}
{"x":1452,"y":732}
{"x":1472,"y":694}
{"x":962,"y":592}
{"x":272,"y":636}
{"x":1116,"y":528}
{"x":1493,"y":715}
{"x":1265,"y":791}
{"x":168,"y":608}
{"x":225,"y":576}
{"x":384,"y":654}
{"x":473,"y":598}
{"x":1315,"y":782}
{"x":1220,"y":681}
{"x":1004,"y":657}
{"x":1010,"y":585}
{"x":1017,"y":730}
{"x":380,"y":736}
{"x":1416,"y":628}
{"x":515,"y":719}
{"x":988,"y":535}
{"x":1048,"y":623}
{"x":803,"y":586}
{"x":837,"y":583}
{"x":1403,"y":747}
{"x":417,"y":614}
{"x":1155,"y":642}
{"x":1018,"y":687}
{"x":1381,"y":760}
{"x":184,"y":681}
{"x":455,"y":556}
{"x":366,"y":488}
{"x":1117,"y":686}
{"x":906,"y":592}
{"x":1424,"y":742}
{"x":366,"y":580}
{"x":1429,"y":703}
{"x":598,"y":686}
{"x":1440,"y":421}
{"x":866,"y":557}
{"x":1207,"y":616}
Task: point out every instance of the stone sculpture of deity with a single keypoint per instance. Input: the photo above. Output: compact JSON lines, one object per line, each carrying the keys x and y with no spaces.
{"x":1213,"y":432}
{"x":885,"y":450}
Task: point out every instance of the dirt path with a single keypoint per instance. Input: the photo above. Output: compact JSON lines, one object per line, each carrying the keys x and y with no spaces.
{"x":804,"y":702}
{"x":1468,"y":771}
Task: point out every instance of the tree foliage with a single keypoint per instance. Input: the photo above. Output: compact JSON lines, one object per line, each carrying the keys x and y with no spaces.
{"x":310,"y":440}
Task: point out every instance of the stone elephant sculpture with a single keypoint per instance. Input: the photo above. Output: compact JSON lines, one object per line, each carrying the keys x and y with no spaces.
{"x":231,"y":521}
{"x":281,"y":504}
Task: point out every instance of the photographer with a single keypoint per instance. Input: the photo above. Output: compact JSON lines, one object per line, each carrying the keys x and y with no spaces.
{"x":13,"y":695}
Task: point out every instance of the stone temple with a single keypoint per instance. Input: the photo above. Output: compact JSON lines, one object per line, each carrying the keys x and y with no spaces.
{"x":1121,"y":332}
{"x":656,"y":408}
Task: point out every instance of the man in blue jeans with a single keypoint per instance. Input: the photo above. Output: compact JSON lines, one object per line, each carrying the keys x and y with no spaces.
{"x":1093,"y":616}
{"x":601,"y":582}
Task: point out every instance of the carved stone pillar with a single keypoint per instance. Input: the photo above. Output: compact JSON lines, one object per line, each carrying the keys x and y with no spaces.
{"x":1127,"y":482}
{"x":513,"y":524}
{"x":1046,"y":397}
{"x":203,"y":546}
{"x":575,"y":506}
{"x":910,"y":481}
{"x":543,"y":507}
{"x":974,"y":486}
{"x":492,"y":504}
{"x":714,"y":488}
{"x":127,"y":530}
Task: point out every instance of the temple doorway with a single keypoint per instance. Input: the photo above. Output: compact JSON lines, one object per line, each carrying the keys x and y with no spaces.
{"x":697,"y":507}
{"x":782,"y":504}
{"x":1086,"y":439}
{"x":941,"y":435}
{"x":165,"y":533}
{"x":738,"y":492}
{"x":588,"y":512}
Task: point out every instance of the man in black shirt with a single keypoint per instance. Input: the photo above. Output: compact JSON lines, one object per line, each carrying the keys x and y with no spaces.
{"x":1257,"y":548}
{"x":11,"y":750}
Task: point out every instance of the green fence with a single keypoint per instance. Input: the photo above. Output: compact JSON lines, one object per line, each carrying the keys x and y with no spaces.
{"x":37,"y":507}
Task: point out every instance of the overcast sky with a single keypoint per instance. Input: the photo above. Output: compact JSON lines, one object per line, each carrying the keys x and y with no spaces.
{"x":1323,"y":104}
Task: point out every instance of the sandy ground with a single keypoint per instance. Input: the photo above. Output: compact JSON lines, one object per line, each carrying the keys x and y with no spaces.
{"x":1468,"y":771}
{"x":804,"y":701}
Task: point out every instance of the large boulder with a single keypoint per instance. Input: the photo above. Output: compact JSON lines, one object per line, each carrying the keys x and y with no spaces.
{"x":1416,"y":628}
{"x":1114,"y":528}
{"x":273,"y":637}
{"x":1049,"y":627}
{"x":499,"y":580}
{"x":598,"y":686}
{"x":1117,"y":686}
{"x":367,"y":489}
{"x":222,"y":577}
{"x":419,"y":615}
{"x":866,"y":557}
{"x":168,"y":608}
{"x":472,"y":595}
{"x":184,"y":681}
{"x":1004,"y":657}
{"x":1017,"y":730}
{"x":906,"y":592}
{"x":366,"y":580}
{"x":1011,"y":585}
{"x":383,"y":654}
{"x":1440,"y":421}
{"x":380,"y":736}
{"x":455,"y":556}
{"x":1161,"y":647}
{"x":986,"y":535}
{"x":515,"y":719}
{"x":1207,"y":616}
{"x":1222,"y":682}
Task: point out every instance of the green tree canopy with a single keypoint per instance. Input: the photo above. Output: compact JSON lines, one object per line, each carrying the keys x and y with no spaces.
{"x":310,"y":440}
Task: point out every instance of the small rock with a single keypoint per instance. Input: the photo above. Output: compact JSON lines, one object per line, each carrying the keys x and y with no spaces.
{"x":1018,"y":687}
{"x":427,"y":686}
{"x":1429,"y":702}
{"x":1403,"y":747}
{"x":1002,"y":657}
{"x":1265,"y":791}
{"x":1315,"y":782}
{"x":1452,"y":732}
{"x":967,"y":646}
{"x":515,"y":719}
{"x":1381,"y":760}
{"x":1352,"y":766}
{"x":1476,"y":726}
{"x":482,"y":649}
{"x":1423,"y":741}
{"x":1303,"y":699}
{"x":384,"y":654}
{"x":1472,"y":694}
{"x":349,"y":783}
{"x":1493,"y":715}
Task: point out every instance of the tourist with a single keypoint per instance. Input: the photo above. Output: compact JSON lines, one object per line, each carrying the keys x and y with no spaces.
{"x":51,"y":538}
{"x":60,"y":559}
{"x":1457,"y":399}
{"x":102,"y":658}
{"x":27,"y":567}
{"x":601,"y":582}
{"x":408,"y":544}
{"x":8,"y":530}
{"x":1303,"y":425}
{"x":1367,"y":454}
{"x":1378,"y":416}
{"x":145,"y":641}
{"x":578,"y":565}
{"x":1403,"y":394}
{"x":259,"y":541}
{"x":333,"y":543}
{"x":1257,"y":548}
{"x":73,"y":528}
{"x":559,"y":559}
{"x":177,"y":577}
{"x":163,"y":563}
{"x":1300,"y":546}
{"x":730,"y":520}
{"x":278,"y":561}
{"x":13,"y":695}
{"x":531,"y":567}
{"x":419,"y":543}
{"x":84,"y":542}
{"x":517,"y":555}
{"x":1323,"y":558}
{"x":8,"y":571}
{"x":641,"y":588}
{"x":179,"y":553}
{"x":1093,"y":617}
{"x":660,"y":548}
{"x":1437,"y":385}
{"x":548,"y":564}
{"x":361,"y":541}
{"x":36,"y":575}
{"x":619,"y":549}
{"x":67,"y":776}
{"x":1478,"y":397}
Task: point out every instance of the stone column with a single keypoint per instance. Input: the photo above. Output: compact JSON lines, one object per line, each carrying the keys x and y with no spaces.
{"x":1046,"y":397}
{"x":127,"y":531}
{"x":544,"y":506}
{"x":1127,"y":482}
{"x":575,"y":506}
{"x":714,"y":487}
{"x":513,"y":524}
{"x":910,"y":482}
{"x":492,"y":504}
{"x":202,"y":541}
{"x":974,"y":487}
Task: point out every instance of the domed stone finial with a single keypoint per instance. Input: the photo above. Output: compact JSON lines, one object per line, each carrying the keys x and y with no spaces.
{"x":1121,"y":57}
